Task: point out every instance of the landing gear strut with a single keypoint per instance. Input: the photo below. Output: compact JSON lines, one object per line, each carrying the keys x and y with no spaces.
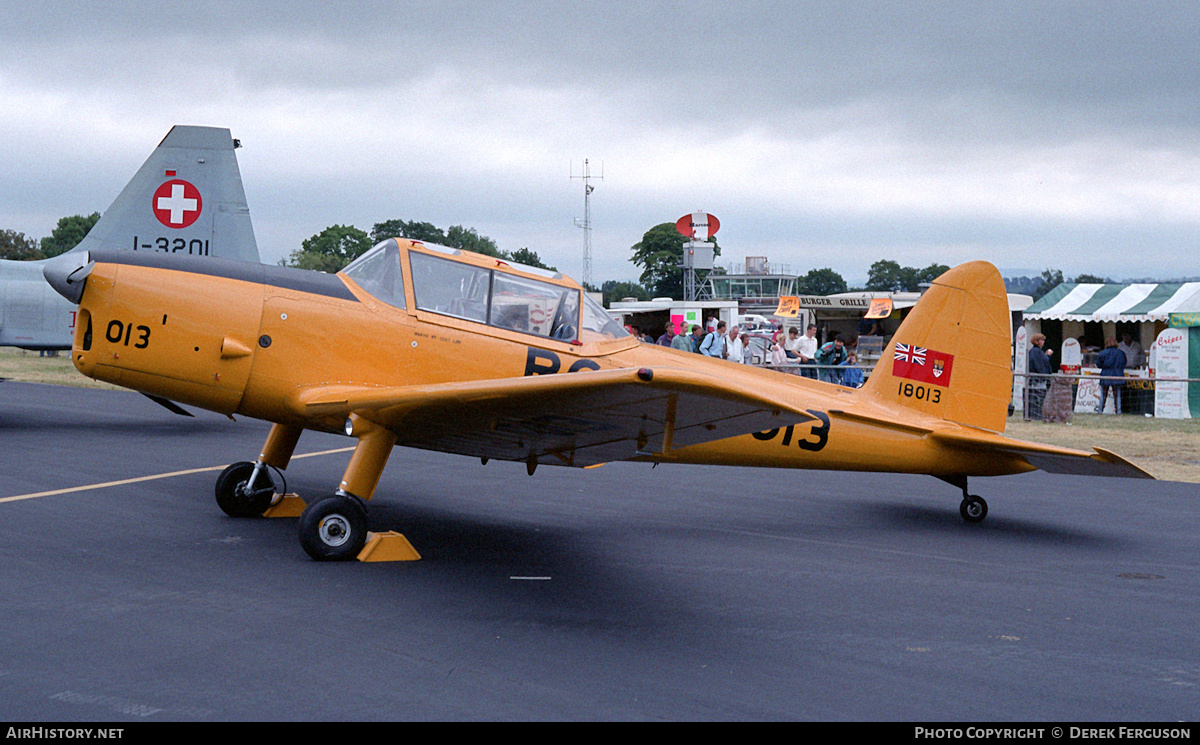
{"x":246,"y":489}
{"x":335,"y":528}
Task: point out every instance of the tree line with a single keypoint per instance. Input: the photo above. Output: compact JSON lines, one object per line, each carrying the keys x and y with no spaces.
{"x":15,"y":246}
{"x":1047,"y":281}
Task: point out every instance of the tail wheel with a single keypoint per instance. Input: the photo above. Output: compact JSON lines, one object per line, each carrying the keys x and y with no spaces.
{"x":334,"y":529}
{"x":232,"y":496}
{"x":973,"y":509}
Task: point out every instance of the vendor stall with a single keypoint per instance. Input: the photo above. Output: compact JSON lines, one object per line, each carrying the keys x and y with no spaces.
{"x":1087,"y":313}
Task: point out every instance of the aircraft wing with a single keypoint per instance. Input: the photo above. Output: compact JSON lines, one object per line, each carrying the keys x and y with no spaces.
{"x":575,"y":419}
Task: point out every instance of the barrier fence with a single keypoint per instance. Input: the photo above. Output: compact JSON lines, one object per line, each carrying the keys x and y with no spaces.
{"x":1054,"y":398}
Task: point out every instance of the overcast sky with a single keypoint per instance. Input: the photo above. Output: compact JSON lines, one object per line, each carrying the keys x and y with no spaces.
{"x":821,"y":134}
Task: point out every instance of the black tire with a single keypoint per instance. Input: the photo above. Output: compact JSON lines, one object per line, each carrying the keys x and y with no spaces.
{"x":232,"y":497}
{"x":973,"y":509}
{"x":334,"y":528}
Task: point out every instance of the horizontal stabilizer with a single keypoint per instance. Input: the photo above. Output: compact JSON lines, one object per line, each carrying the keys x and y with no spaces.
{"x":1048,"y":458}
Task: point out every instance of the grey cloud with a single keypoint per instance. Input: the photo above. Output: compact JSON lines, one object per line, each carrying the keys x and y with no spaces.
{"x":926,"y":99}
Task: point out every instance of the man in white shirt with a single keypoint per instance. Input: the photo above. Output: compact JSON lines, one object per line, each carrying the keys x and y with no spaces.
{"x":806,"y":350}
{"x":735,"y":347}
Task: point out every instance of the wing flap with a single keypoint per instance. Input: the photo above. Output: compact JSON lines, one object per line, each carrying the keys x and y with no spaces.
{"x":573,"y":418}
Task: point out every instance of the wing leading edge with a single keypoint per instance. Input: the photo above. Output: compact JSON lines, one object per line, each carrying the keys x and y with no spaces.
{"x":575,"y":419}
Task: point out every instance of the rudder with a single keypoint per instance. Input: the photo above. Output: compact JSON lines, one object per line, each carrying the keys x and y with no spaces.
{"x":951,"y":356}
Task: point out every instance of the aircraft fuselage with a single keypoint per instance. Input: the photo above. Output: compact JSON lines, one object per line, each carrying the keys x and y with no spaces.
{"x":249,"y":339}
{"x":32,"y":315}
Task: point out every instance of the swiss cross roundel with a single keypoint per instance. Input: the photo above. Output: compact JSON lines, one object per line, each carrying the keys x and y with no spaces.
{"x":177,"y":203}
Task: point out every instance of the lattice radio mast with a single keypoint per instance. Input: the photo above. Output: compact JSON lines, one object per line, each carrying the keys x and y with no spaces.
{"x":585,"y":277}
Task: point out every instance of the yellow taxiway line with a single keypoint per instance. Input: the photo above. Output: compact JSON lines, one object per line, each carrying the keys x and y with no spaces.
{"x":154,"y":477}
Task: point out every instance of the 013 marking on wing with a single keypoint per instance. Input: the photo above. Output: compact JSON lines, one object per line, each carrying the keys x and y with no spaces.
{"x":819,"y":431}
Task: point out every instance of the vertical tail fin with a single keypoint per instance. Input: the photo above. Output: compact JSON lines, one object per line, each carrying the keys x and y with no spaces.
{"x":951,"y":356}
{"x":186,"y":198}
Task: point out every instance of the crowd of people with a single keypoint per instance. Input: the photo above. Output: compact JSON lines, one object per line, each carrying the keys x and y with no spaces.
{"x":835,"y":362}
{"x":729,"y":343}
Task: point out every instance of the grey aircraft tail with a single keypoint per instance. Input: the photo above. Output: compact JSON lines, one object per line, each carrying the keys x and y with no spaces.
{"x":186,"y":198}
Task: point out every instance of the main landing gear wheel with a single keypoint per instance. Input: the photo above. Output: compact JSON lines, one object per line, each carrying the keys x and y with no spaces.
{"x":973,"y":509}
{"x":233,"y":497}
{"x":334,"y":529}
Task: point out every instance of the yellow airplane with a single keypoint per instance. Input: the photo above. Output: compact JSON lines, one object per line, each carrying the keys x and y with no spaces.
{"x":423,"y":346}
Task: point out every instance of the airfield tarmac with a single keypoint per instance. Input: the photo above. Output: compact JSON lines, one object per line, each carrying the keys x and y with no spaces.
{"x":619,"y":593}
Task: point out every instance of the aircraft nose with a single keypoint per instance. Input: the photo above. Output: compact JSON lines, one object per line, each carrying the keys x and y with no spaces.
{"x":67,"y":273}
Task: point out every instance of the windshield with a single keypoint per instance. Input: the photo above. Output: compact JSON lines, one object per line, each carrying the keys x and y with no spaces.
{"x":598,"y":324}
{"x":378,"y":272}
{"x":497,"y":298}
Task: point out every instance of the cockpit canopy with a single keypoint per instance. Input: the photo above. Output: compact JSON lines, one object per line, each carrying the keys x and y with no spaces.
{"x":497,"y":296}
{"x":378,"y":272}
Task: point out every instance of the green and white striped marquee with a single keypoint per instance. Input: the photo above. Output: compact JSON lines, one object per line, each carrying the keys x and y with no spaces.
{"x":1116,"y":302}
